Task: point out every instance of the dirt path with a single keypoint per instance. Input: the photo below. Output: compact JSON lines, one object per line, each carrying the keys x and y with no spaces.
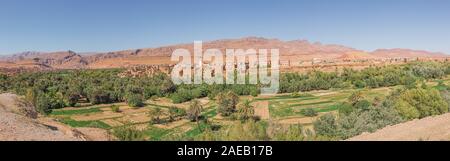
{"x":431,"y":128}
{"x":324,"y":93}
{"x":304,"y":120}
{"x":61,"y":127}
{"x":95,"y":134}
{"x":97,"y":116}
{"x":172,"y":124}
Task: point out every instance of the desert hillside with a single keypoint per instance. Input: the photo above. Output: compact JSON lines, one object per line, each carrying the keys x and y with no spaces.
{"x":401,"y":53}
{"x":434,"y":128}
{"x":19,"y":122}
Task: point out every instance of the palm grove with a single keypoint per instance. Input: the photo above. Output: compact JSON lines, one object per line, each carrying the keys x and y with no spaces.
{"x":59,"y":89}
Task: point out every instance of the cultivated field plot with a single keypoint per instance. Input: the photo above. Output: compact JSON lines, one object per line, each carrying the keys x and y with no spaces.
{"x":102,"y":116}
{"x":283,"y":108}
{"x":288,"y":108}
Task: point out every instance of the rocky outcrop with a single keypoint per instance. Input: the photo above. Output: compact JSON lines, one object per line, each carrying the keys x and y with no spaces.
{"x":14,"y":104}
{"x":18,"y":123}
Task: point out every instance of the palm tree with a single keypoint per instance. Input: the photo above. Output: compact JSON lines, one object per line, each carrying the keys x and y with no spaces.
{"x":356,"y":97}
{"x":172,"y":113}
{"x":227,"y":103}
{"x":246,"y":110}
{"x":234,"y":98}
{"x":194,"y":112}
{"x":155,"y":115}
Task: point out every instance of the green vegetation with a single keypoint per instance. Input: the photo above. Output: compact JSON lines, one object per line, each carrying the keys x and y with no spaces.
{"x":135,"y":100}
{"x":128,"y":134}
{"x":326,"y":125}
{"x":115,"y":108}
{"x":199,"y":129}
{"x":245,"y":110}
{"x":239,"y":131}
{"x":77,"y":111}
{"x":54,"y":90}
{"x":226,"y":103}
{"x":372,"y":77}
{"x":418,"y":103}
{"x":210,"y":113}
{"x":291,"y":133}
{"x":175,"y":112}
{"x":93,"y":124}
{"x":353,"y":103}
{"x":359,"y":115}
{"x":310,"y":112}
{"x":156,"y":134}
{"x":194,"y":111}
{"x":293,"y":106}
{"x":155,"y":114}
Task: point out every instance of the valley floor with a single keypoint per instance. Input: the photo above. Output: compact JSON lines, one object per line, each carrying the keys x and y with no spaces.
{"x":94,"y":121}
{"x":281,"y":108}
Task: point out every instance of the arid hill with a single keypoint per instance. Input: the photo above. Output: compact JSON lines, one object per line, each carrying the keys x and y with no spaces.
{"x":434,"y":128}
{"x":296,"y":51}
{"x":19,"y":122}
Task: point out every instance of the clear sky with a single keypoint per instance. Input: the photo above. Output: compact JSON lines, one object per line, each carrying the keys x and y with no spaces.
{"x":109,"y":25}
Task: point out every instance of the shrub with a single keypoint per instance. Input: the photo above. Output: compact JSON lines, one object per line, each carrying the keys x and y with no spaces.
{"x":244,"y":131}
{"x":115,"y":108}
{"x":43,"y":105}
{"x":150,"y":92}
{"x":428,"y":70}
{"x":446,"y":96}
{"x":407,"y":110}
{"x":345,"y":108}
{"x":182,"y":95}
{"x":290,"y":133}
{"x":128,"y":134}
{"x":310,"y":112}
{"x":420,"y":103}
{"x":368,"y":120}
{"x":72,"y":99}
{"x":326,"y":126}
{"x":176,"y":112}
{"x":98,"y":96}
{"x":295,"y":94}
{"x":360,"y":84}
{"x":135,"y":100}
{"x":254,"y":92}
{"x":363,"y":105}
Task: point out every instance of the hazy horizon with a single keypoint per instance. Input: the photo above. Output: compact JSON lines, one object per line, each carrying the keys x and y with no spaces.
{"x":96,"y":26}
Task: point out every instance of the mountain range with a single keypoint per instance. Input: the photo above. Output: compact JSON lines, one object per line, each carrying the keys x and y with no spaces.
{"x":297,"y":50}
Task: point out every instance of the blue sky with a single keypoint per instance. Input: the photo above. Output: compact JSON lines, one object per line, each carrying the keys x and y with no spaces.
{"x":109,"y":25}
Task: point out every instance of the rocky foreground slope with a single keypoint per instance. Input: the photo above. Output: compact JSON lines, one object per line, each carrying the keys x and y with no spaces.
{"x":435,"y":128}
{"x":19,"y":122}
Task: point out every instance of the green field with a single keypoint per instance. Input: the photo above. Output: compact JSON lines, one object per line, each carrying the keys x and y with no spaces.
{"x":76,"y":111}
{"x":288,"y":106}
